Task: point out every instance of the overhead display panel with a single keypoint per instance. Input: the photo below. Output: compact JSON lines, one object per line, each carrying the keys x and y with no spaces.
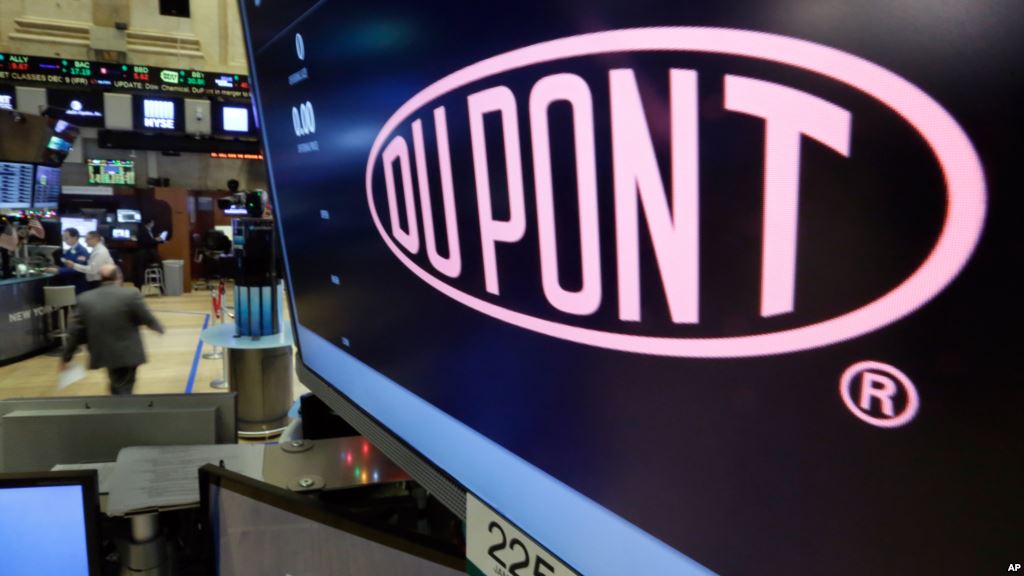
{"x":68,"y":73}
{"x":78,"y":107}
{"x":157,"y":114}
{"x":674,"y":288}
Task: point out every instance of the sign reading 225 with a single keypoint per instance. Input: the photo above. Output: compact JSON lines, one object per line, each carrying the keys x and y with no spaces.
{"x":496,"y":547}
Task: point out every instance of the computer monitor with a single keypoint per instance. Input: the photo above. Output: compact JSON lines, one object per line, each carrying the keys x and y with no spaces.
{"x":233,"y":118}
{"x":254,"y":527}
{"x":111,"y":172}
{"x":39,"y":433}
{"x":49,"y":523}
{"x":16,"y":185}
{"x":674,"y":287}
{"x":46,"y":193}
{"x":83,"y":225}
{"x":121,"y":233}
{"x":129,"y":216}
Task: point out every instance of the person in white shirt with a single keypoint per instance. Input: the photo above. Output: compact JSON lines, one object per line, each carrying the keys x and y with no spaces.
{"x":99,"y":258}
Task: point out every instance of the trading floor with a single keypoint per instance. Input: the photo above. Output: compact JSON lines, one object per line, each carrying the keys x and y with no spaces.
{"x":174,"y":360}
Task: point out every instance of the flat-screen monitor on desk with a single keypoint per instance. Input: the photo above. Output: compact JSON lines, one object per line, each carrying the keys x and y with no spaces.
{"x":121,"y":233}
{"x":39,"y":433}
{"x":256,"y":528}
{"x":49,"y":524}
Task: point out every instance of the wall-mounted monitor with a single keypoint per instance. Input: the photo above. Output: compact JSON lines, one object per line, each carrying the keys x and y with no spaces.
{"x":158,"y":114}
{"x":128,"y":216}
{"x":50,"y":523}
{"x":675,"y":287}
{"x":111,"y":172}
{"x":16,"y":185}
{"x":78,"y":107}
{"x":233,"y":118}
{"x":46,"y":193}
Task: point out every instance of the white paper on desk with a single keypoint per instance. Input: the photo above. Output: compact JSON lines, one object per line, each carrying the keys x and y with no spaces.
{"x":105,"y":471}
{"x":166,"y":476}
{"x":68,"y":376}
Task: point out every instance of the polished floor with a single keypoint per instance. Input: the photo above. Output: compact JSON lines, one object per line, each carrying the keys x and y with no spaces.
{"x":175,"y":363}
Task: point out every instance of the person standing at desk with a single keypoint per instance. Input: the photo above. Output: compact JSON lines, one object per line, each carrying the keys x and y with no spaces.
{"x":99,"y":258}
{"x":107,"y":320}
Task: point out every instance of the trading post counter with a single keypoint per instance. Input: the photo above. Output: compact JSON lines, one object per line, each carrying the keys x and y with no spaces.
{"x":23,"y":317}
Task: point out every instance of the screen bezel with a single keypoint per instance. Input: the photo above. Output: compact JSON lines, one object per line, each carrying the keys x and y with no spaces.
{"x":88,"y":481}
{"x":305,"y":507}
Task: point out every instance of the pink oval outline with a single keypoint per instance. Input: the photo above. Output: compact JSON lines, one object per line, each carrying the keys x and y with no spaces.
{"x":965,"y":183}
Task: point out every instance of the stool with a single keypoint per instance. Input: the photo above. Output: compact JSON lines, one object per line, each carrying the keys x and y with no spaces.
{"x":153,"y":280}
{"x":60,"y":299}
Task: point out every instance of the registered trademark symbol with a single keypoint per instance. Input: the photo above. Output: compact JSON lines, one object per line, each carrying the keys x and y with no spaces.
{"x":879,"y":394}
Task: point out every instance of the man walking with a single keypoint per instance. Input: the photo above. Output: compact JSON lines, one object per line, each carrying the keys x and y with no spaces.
{"x":107,"y":320}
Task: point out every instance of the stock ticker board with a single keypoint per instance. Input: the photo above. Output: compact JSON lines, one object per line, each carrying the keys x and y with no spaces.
{"x":73,"y":73}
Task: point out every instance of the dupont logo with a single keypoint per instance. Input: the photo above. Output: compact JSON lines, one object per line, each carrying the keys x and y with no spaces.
{"x":561,"y":188}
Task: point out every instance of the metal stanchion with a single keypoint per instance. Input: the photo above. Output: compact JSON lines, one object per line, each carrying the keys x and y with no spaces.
{"x":217,"y":353}
{"x":217,"y":297}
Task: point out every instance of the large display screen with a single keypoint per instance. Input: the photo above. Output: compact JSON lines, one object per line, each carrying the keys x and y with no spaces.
{"x":233,"y":118}
{"x":154,"y":114}
{"x":677,"y":288}
{"x":79,"y":107}
{"x":64,"y":73}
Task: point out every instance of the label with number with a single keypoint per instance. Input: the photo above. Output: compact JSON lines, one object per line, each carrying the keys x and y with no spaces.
{"x":495,"y":547}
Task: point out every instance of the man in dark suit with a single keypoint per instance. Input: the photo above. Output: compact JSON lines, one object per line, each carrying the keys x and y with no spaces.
{"x":107,"y":320}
